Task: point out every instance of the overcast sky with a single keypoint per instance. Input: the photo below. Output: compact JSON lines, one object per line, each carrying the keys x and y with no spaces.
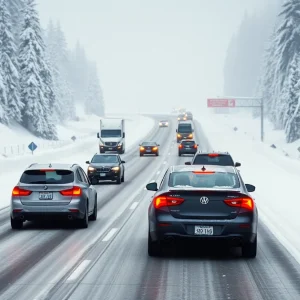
{"x":153,"y":55}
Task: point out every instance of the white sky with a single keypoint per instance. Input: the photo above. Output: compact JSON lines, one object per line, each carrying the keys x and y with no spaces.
{"x":156,"y":54}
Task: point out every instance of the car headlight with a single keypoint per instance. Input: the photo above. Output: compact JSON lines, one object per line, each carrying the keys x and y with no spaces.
{"x":167,"y":123}
{"x":115,"y":168}
{"x":142,"y":148}
{"x":160,"y":123}
{"x":155,"y":148}
{"x":190,"y":135}
{"x":178,"y":135}
{"x":91,"y":169}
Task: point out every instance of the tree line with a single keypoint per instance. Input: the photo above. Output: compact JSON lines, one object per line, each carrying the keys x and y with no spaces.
{"x":41,"y":79}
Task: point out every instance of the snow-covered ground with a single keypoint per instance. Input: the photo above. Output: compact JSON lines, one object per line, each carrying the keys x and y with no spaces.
{"x":136,"y":127}
{"x":275,"y":175}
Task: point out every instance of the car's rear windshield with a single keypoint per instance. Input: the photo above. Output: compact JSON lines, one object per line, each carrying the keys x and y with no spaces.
{"x":221,"y":160}
{"x":47,"y":177}
{"x":185,"y":128}
{"x":105,"y":159}
{"x":197,"y":180}
{"x":188,"y":143}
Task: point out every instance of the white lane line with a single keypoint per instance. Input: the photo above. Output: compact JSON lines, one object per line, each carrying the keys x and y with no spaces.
{"x":134,"y":205}
{"x":158,"y":172}
{"x":78,"y":270}
{"x":110,"y":234}
{"x":165,"y":162}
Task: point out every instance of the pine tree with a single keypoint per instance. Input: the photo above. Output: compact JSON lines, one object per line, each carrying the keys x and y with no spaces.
{"x":94,"y":100}
{"x":35,"y":76}
{"x":3,"y":101}
{"x":292,"y":102}
{"x":8,"y":63}
{"x":15,"y":8}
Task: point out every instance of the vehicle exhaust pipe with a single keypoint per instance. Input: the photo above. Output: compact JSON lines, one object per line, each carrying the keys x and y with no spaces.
{"x":70,"y":217}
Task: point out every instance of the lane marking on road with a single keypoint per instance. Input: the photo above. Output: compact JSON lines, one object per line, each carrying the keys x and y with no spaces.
{"x":110,"y":234}
{"x":165,"y":162}
{"x":78,"y":270}
{"x":158,"y":172}
{"x":134,"y":205}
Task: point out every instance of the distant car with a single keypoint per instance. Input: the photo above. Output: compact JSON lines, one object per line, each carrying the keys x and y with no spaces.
{"x":149,"y":148}
{"x":189,"y":115}
{"x":187,"y":147}
{"x":213,"y":158}
{"x":106,"y":167}
{"x":206,"y":203}
{"x":163,"y":123}
{"x":181,"y":117}
{"x":185,"y":131}
{"x":53,"y":191}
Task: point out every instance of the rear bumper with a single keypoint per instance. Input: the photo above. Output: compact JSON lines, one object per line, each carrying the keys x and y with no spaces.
{"x":25,"y":212}
{"x":163,"y":125}
{"x":149,"y":153}
{"x":230,"y":231}
{"x":188,"y":151}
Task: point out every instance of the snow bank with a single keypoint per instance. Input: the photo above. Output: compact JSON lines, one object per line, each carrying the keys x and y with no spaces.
{"x":136,"y":127}
{"x":275,"y":176}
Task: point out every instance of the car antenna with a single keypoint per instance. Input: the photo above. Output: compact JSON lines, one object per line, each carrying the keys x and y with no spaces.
{"x":203,"y":169}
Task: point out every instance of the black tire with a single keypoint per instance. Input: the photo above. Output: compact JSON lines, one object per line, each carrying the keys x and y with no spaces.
{"x":84,"y":222}
{"x":157,"y":154}
{"x":141,"y":154}
{"x":154,"y":248}
{"x":16,"y":224}
{"x":179,"y":154}
{"x":93,"y":216}
{"x":119,"y":180}
{"x":249,"y":249}
{"x":123,"y":177}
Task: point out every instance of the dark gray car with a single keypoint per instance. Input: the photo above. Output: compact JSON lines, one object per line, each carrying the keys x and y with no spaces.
{"x":51,"y":191}
{"x":205,"y":203}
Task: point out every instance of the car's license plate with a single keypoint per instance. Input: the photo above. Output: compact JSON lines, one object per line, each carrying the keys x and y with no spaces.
{"x":204,"y":230}
{"x":102,"y":174}
{"x":46,"y":195}
{"x":148,"y":150}
{"x":109,"y":148}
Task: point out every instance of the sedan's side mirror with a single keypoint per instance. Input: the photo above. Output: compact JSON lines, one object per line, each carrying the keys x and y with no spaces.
{"x":237,"y":164}
{"x":250,"y":188}
{"x":176,"y":130}
{"x":98,"y":135}
{"x":188,"y":163}
{"x":87,"y":162}
{"x":122,"y":161}
{"x":123,"y":135}
{"x":152,"y":186}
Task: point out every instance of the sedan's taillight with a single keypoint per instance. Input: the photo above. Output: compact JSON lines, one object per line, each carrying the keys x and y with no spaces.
{"x":245,"y":202}
{"x":18,"y":192}
{"x":161,"y":201}
{"x":74,"y":191}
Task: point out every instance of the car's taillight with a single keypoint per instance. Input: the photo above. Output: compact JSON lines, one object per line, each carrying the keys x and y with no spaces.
{"x":161,"y":201}
{"x":18,"y":192}
{"x":74,"y":191}
{"x":180,"y":146}
{"x":245,"y":202}
{"x":195,"y":146}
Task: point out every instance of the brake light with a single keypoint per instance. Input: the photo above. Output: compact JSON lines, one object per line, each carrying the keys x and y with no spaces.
{"x":203,"y":172}
{"x":18,"y":192}
{"x":74,"y":191}
{"x":47,"y":170}
{"x":180,"y":146}
{"x":142,"y":148}
{"x":246,"y":203}
{"x":162,"y":201}
{"x":213,"y":154}
{"x":195,"y":146}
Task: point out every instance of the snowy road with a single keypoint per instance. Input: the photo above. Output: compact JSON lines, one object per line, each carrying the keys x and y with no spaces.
{"x":109,"y":260}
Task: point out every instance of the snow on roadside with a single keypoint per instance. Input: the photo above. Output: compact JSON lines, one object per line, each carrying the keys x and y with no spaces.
{"x":136,"y":127}
{"x":275,"y":176}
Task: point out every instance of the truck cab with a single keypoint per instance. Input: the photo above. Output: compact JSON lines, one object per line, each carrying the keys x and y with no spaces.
{"x":112,"y":136}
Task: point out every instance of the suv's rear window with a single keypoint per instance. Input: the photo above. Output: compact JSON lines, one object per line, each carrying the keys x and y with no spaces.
{"x":214,"y":180}
{"x":47,"y":177}
{"x":221,"y":160}
{"x":188,"y":143}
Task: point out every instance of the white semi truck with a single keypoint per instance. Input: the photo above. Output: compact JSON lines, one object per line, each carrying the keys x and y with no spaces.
{"x":112,"y":135}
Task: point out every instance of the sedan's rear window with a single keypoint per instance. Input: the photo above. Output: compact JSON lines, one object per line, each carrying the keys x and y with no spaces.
{"x":205,"y":180}
{"x":221,"y":160}
{"x":47,"y":177}
{"x":188,"y":143}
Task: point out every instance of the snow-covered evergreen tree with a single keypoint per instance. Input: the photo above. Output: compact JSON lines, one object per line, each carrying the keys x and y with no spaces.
{"x":8,"y":63}
{"x":291,"y":101}
{"x":15,"y":8}
{"x":35,"y":76}
{"x":3,"y":102}
{"x":94,"y":97}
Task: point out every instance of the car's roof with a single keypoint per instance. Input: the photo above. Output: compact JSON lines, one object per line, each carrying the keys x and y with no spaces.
{"x":106,"y":154}
{"x":60,"y":166}
{"x":148,"y":142}
{"x":211,"y":152}
{"x":215,"y":168}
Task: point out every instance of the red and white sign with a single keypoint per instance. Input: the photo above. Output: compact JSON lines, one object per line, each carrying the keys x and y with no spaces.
{"x":220,"y":102}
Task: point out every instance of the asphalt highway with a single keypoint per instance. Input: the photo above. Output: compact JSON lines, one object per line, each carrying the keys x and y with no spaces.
{"x":109,"y":260}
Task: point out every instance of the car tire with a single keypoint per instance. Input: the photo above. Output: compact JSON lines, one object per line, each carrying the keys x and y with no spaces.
{"x":119,"y":180}
{"x":141,"y":154}
{"x":157,"y":154}
{"x":93,"y":216}
{"x":84,"y":222}
{"x":154,"y":248}
{"x":123,"y":177}
{"x":16,"y":224}
{"x":249,"y":249}
{"x":179,"y":154}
